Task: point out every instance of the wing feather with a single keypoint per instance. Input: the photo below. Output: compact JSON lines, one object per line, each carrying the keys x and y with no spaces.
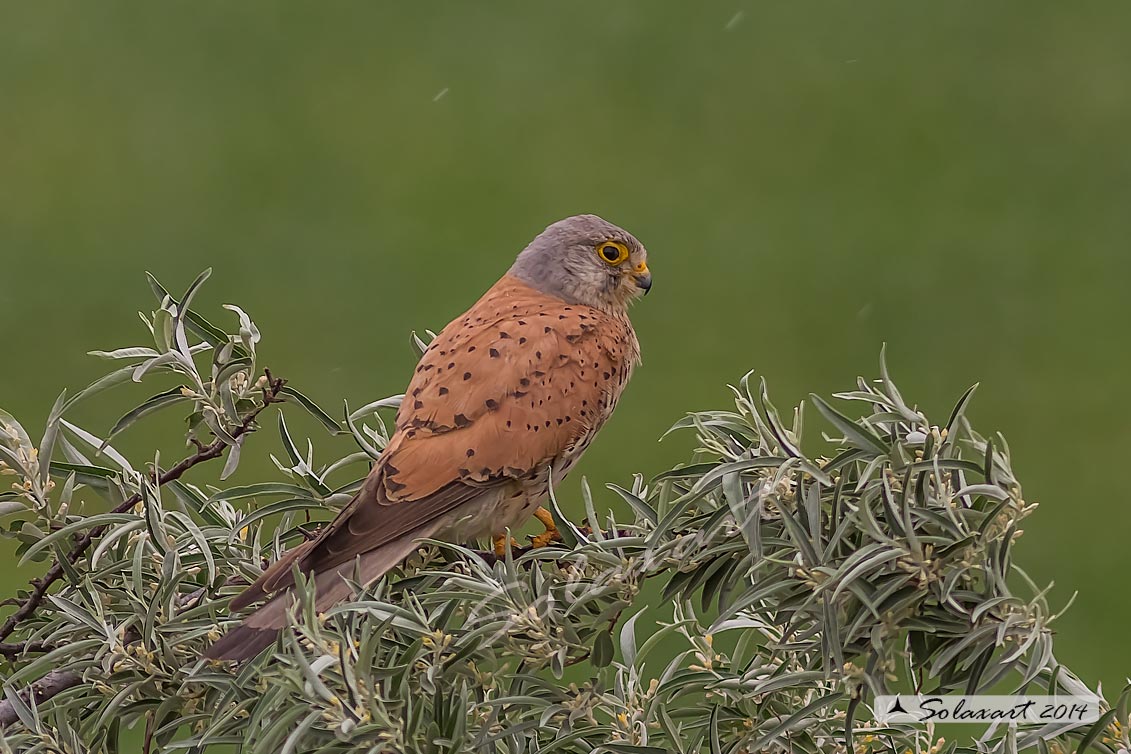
{"x":500,"y":393}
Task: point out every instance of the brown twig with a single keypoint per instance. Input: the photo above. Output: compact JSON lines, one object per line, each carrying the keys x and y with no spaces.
{"x":150,"y":729}
{"x":46,"y":687}
{"x":208,"y":452}
{"x":192,"y":599}
{"x":11,"y":650}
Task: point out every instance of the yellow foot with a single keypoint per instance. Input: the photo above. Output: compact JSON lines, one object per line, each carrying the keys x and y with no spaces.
{"x":501,"y":544}
{"x":551,"y":533}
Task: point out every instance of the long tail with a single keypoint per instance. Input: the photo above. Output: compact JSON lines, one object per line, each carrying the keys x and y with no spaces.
{"x":260,"y":629}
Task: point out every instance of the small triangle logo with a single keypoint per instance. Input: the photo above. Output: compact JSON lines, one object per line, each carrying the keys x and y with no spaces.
{"x":897,"y":707}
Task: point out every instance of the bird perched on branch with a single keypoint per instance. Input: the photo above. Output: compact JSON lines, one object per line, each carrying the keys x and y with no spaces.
{"x":505,"y":399}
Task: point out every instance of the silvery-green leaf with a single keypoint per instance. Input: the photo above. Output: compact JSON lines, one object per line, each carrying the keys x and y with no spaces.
{"x":62,"y":534}
{"x":393,"y":402}
{"x":628,"y":641}
{"x":213,"y":335}
{"x":327,"y":421}
{"x":100,"y":447}
{"x":233,"y":460}
{"x":132,"y":352}
{"x":148,"y":406}
{"x":10,"y":428}
{"x":249,"y":333}
{"x":117,"y":377}
{"x":860,"y":436}
{"x":11,"y":506}
{"x":47,"y":444}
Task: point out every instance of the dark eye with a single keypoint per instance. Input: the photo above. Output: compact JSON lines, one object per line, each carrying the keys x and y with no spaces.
{"x":612,"y":252}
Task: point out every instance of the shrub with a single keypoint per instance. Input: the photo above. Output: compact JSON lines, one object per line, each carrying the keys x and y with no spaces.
{"x":794,"y":587}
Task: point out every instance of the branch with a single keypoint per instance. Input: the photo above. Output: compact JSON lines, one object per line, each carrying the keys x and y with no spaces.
{"x":55,"y":682}
{"x":11,"y":650}
{"x":204,"y":453}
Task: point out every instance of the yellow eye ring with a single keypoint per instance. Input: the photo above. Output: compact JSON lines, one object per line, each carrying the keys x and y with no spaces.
{"x":612,"y":253}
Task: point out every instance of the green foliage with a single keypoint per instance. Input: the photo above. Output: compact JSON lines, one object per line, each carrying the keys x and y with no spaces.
{"x":795,"y":587}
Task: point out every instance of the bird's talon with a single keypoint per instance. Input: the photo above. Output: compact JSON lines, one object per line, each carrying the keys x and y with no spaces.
{"x":550,"y":535}
{"x":501,"y":544}
{"x":545,"y":538}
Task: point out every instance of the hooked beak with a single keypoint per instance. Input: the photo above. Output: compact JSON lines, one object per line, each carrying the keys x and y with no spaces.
{"x":642,"y":277}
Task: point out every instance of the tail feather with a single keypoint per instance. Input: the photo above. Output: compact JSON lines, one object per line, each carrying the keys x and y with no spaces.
{"x":260,"y":629}
{"x":277,"y":577}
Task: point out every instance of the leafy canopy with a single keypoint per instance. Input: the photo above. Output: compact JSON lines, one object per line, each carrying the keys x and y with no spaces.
{"x":795,"y":587}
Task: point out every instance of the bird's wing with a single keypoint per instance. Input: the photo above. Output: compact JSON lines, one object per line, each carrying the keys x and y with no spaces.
{"x":505,"y":389}
{"x":499,"y":394}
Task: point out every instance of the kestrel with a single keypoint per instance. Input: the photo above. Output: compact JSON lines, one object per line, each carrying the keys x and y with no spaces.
{"x":505,"y":399}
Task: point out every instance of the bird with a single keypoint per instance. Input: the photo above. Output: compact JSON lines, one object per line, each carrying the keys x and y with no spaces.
{"x":503,"y":403}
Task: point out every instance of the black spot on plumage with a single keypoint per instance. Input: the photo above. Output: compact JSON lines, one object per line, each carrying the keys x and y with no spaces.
{"x":504,"y":334}
{"x":443,"y":391}
{"x":418,"y":405}
{"x":461,"y":420}
{"x":470,"y":452}
{"x":466,"y":376}
{"x":492,"y":404}
{"x":494,"y":353}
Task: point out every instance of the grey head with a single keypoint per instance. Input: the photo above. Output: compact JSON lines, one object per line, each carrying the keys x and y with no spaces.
{"x":586,"y":260}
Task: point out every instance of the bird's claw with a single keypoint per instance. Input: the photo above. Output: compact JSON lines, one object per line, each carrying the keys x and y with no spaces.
{"x":501,"y":544}
{"x":550,"y":534}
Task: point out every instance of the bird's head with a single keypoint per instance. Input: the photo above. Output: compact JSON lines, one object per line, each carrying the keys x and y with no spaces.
{"x":586,"y":260}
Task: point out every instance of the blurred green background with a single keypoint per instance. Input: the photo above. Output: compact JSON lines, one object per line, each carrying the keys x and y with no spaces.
{"x":811,"y":179}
